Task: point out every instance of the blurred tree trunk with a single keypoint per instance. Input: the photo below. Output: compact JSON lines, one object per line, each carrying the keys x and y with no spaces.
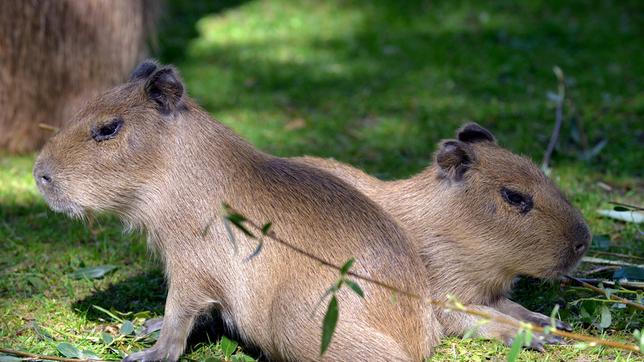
{"x":56,"y":53}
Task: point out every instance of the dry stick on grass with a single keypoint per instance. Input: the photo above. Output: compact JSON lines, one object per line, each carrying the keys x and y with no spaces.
{"x":48,"y":127}
{"x":451,"y":305}
{"x":609,"y":296}
{"x":561,"y":94}
{"x":33,"y":356}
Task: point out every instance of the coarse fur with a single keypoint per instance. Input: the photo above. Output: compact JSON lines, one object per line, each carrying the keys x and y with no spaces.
{"x":147,"y":153}
{"x":473,"y":241}
{"x":56,"y":53}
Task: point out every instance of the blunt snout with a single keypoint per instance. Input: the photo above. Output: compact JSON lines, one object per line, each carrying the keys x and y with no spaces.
{"x":580,"y":236}
{"x":43,"y":175}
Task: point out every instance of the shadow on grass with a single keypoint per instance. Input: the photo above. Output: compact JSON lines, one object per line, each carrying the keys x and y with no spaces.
{"x":177,"y":24}
{"x":381,"y":94}
{"x":140,"y":293}
{"x":147,"y":292}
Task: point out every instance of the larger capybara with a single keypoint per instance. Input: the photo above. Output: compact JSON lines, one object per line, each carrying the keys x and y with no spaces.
{"x":146,"y":152}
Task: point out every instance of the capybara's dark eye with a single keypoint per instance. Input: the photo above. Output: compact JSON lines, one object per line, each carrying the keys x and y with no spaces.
{"x":107,"y":130}
{"x":515,"y":198}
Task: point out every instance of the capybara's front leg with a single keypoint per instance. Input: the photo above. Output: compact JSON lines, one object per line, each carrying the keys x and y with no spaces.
{"x":180,"y":314}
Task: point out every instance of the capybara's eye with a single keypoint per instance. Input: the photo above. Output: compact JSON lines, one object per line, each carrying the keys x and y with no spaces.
{"x":518,"y":199}
{"x":107,"y":130}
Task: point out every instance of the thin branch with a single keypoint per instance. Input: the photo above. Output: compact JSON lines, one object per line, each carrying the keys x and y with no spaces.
{"x":590,"y":259}
{"x":609,"y":296}
{"x":610,"y":283}
{"x":617,"y":255}
{"x":561,"y":94}
{"x":48,"y":127}
{"x":47,"y":358}
{"x":301,"y":251}
{"x":557,"y":332}
{"x":449,"y":305}
{"x":601,"y":269}
{"x":626,"y":205}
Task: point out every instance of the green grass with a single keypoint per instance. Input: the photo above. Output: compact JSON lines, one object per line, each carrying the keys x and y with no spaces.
{"x":372,"y":83}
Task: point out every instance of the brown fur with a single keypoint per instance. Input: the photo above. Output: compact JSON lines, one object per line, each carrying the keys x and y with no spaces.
{"x":54,"y":53}
{"x":169,"y":170}
{"x":473,"y":242}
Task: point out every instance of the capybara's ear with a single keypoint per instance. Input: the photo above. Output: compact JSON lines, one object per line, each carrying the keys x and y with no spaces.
{"x":164,"y":87}
{"x":454,"y":158}
{"x":472,"y":133}
{"x":144,"y":70}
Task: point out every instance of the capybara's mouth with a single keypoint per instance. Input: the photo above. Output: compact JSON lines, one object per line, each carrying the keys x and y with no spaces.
{"x":69,"y":208}
{"x":567,"y":265}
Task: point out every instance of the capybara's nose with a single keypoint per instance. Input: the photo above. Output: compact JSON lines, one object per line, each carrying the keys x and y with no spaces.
{"x":42,"y":175}
{"x":580,"y":248}
{"x":581,"y":237}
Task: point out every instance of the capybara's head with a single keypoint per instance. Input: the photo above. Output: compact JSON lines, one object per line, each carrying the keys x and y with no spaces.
{"x":507,"y":208}
{"x":113,"y":145}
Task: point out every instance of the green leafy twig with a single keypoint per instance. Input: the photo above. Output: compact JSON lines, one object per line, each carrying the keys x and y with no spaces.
{"x":333,"y":310}
{"x":452,"y":303}
{"x":239,"y":221}
{"x":607,"y":294}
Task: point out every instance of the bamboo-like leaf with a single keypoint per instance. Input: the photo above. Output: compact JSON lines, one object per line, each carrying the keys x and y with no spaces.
{"x":238,"y":221}
{"x":355,"y":287}
{"x":266,"y":228}
{"x":329,"y":324}
{"x":347,"y":265}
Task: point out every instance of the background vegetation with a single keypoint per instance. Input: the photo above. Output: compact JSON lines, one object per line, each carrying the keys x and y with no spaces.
{"x":376,"y":84}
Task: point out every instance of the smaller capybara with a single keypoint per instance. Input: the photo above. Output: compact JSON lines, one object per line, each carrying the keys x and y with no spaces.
{"x":146,"y":152}
{"x":480,"y":216}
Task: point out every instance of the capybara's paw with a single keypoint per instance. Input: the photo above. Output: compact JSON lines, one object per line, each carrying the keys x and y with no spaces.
{"x":153,"y":355}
